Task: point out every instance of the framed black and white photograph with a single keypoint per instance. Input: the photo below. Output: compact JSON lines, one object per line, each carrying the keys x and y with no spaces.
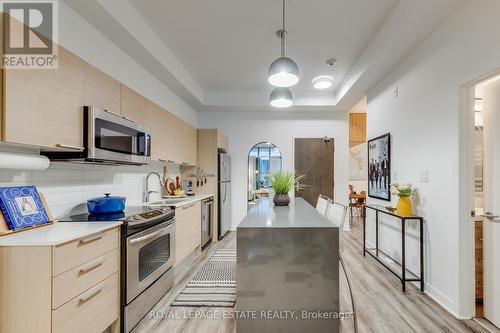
{"x":379,"y":167}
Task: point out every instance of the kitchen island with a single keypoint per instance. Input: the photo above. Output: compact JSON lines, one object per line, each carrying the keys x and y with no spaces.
{"x":288,"y":270}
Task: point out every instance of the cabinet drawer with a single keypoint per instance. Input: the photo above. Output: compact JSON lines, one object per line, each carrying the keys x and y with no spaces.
{"x":77,"y":252}
{"x":92,"y":311}
{"x":68,"y":285}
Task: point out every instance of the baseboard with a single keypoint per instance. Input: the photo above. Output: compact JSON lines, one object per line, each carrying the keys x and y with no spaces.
{"x":443,"y":300}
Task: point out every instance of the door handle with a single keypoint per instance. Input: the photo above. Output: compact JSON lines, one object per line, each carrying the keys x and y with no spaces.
{"x":90,"y":294}
{"x":60,"y":145}
{"x":145,"y":237}
{"x":92,"y":238}
{"x":92,"y":265}
{"x":491,"y":217}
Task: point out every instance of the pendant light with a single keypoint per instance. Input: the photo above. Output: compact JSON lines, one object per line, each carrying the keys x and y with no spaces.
{"x":283,"y":72}
{"x":281,"y":98}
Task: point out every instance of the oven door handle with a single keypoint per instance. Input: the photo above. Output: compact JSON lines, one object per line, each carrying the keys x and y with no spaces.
{"x":146,"y":237}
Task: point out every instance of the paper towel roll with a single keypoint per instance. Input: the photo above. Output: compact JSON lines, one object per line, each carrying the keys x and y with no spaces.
{"x":23,"y":161}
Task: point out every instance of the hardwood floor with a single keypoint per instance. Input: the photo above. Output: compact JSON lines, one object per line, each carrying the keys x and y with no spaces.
{"x":380,"y":304}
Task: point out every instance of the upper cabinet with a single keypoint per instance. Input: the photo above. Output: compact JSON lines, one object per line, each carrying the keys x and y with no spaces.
{"x":357,"y":128}
{"x":157,"y":120}
{"x":222,"y":141}
{"x":173,"y":139}
{"x":44,"y":107}
{"x":101,"y":90}
{"x":133,"y":105}
{"x":188,"y":151}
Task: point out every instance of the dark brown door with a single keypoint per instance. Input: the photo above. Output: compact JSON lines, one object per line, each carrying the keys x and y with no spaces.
{"x":314,"y":159}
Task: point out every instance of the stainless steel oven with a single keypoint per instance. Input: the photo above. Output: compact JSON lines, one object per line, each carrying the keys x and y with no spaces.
{"x":111,"y":137}
{"x":150,"y":253}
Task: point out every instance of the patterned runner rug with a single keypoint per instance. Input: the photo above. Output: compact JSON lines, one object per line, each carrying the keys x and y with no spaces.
{"x":214,"y":285}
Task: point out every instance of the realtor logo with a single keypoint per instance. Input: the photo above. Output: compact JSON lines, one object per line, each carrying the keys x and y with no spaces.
{"x":30,"y":34}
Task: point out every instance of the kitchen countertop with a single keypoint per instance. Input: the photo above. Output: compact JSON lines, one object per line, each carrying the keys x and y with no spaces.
{"x":55,"y":234}
{"x":299,"y":214}
{"x":188,"y":200}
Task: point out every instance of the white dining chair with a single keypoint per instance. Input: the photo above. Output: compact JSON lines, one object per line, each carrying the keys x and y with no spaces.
{"x":322,"y":204}
{"x":337,"y":214}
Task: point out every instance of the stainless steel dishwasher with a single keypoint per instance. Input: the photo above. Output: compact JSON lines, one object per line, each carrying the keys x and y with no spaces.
{"x":207,"y":209}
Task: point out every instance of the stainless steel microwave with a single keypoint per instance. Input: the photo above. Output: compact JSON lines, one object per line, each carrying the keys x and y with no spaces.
{"x":111,"y":137}
{"x":108,"y":138}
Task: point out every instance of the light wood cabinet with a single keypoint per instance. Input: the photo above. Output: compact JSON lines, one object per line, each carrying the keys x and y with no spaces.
{"x":73,"y":287}
{"x":357,"y":128}
{"x":92,"y":311}
{"x":101,"y":90}
{"x":173,"y":140}
{"x":157,"y":120}
{"x":133,"y":105}
{"x":188,"y":136}
{"x":44,"y":107}
{"x":208,"y":142}
{"x":222,"y":141}
{"x":187,"y":230}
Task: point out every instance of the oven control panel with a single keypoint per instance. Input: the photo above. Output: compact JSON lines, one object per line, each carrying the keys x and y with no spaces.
{"x":149,"y":215}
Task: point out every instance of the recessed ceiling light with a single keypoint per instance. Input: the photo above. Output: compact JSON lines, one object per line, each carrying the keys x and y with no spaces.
{"x":322,"y":82}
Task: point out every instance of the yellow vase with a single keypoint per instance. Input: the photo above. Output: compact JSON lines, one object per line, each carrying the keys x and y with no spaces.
{"x":404,"y":206}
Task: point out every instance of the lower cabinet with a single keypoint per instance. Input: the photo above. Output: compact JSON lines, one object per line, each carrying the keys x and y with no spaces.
{"x":187,"y":230}
{"x":73,"y":287}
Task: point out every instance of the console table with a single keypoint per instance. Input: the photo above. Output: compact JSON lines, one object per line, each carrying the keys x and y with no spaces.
{"x":396,"y":268}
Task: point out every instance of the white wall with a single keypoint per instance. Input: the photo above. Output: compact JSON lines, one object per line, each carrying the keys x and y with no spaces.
{"x":246,"y":129}
{"x":82,"y":38}
{"x":424,"y":122}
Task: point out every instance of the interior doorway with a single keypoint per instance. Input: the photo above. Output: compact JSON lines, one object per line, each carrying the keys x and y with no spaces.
{"x":486,"y":217}
{"x":314,"y":159}
{"x":263,"y":158}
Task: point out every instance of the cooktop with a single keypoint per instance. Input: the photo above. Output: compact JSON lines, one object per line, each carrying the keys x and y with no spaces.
{"x":131,"y":215}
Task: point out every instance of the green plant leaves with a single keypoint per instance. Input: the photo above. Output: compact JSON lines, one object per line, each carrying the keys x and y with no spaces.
{"x":283,"y":181}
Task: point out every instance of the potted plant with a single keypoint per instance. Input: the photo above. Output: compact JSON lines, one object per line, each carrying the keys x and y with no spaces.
{"x":403,"y":192}
{"x":283,"y":181}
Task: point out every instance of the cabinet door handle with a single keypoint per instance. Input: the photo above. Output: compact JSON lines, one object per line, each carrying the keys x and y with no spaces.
{"x":162,"y":160}
{"x":188,"y":206}
{"x":92,"y":238}
{"x":92,"y":265}
{"x":129,"y":119}
{"x":90,"y":294}
{"x":60,"y":145}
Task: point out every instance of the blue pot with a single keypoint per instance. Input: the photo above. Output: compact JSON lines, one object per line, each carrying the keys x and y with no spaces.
{"x":106,"y":204}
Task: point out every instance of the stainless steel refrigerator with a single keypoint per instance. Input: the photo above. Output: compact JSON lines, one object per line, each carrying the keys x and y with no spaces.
{"x":224,"y":206}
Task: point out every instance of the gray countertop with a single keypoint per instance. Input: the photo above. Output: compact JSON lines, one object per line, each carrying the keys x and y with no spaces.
{"x":299,"y":214}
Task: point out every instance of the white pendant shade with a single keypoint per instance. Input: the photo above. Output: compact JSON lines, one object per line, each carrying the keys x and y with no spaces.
{"x":283,"y":72}
{"x":281,"y":98}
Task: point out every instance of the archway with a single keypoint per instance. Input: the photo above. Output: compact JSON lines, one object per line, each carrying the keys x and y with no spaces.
{"x":263,"y":158}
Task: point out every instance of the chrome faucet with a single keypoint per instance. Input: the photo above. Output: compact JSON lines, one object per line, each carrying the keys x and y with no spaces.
{"x":148,"y":191}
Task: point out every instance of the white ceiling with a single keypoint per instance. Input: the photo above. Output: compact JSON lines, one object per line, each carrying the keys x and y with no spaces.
{"x":229,"y":44}
{"x":215,"y":54}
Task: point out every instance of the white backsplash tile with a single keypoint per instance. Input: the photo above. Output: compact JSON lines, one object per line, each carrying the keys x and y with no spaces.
{"x":67,"y":186}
